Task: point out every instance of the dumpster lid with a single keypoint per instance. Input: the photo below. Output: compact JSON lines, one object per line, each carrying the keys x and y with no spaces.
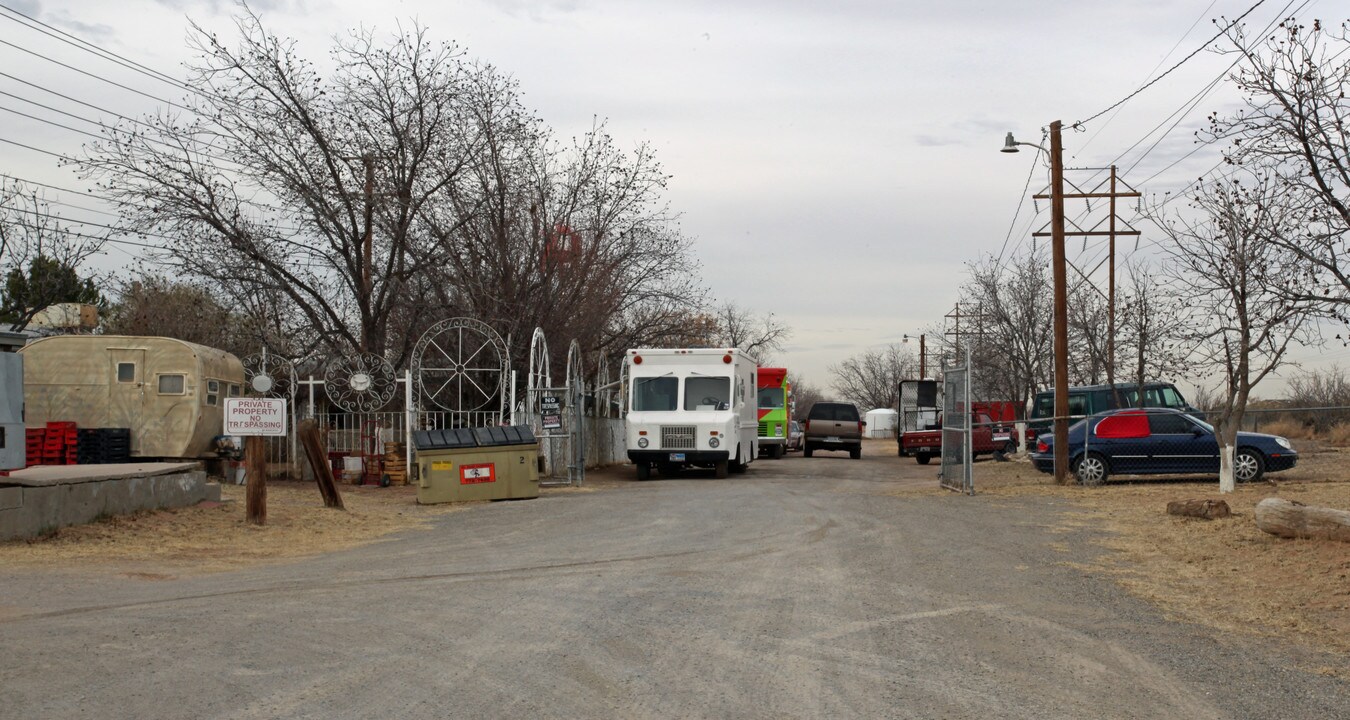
{"x":443,"y":439}
{"x":509,"y":435}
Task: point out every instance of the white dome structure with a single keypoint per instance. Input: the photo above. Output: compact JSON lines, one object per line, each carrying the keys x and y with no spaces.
{"x":881,"y":423}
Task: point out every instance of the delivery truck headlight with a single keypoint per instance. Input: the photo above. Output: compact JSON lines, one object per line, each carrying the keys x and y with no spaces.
{"x":778,"y":430}
{"x":714,"y":442}
{"x":642,"y":442}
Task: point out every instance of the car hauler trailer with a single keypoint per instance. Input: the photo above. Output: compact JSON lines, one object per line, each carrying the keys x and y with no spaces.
{"x":691,"y":407}
{"x":773,"y":393}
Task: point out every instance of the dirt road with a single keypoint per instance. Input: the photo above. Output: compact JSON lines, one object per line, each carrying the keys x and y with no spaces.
{"x":806,"y":588}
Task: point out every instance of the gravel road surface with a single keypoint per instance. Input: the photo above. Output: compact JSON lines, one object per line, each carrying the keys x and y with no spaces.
{"x":802,"y":589}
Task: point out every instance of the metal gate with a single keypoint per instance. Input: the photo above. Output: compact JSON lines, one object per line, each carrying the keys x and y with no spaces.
{"x":557,"y":414}
{"x":956,"y":451}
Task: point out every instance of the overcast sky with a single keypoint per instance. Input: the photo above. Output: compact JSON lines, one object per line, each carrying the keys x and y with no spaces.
{"x":835,"y":163}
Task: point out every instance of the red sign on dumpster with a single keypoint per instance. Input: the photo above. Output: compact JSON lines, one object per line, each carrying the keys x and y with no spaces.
{"x":473,"y":474}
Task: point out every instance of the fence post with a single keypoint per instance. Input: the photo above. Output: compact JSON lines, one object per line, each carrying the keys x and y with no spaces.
{"x":409,"y":413}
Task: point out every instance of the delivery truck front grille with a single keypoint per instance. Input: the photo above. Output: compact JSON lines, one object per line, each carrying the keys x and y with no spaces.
{"x":763,"y":429}
{"x":677,"y":437}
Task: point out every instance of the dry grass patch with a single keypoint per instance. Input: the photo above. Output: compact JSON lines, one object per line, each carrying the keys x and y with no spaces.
{"x":212,"y":537}
{"x":1227,"y":574}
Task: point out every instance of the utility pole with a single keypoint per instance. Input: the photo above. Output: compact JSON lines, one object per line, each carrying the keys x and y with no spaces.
{"x":1111,"y":294}
{"x":367,"y":248}
{"x":1061,"y":305}
{"x":923,"y":357}
{"x":1058,"y":233}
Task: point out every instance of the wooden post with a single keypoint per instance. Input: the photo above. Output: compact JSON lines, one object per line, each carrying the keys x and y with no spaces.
{"x":255,"y":465}
{"x":318,"y":461}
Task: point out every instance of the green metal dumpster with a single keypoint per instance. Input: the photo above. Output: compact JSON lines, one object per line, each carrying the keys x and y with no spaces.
{"x":488,"y":463}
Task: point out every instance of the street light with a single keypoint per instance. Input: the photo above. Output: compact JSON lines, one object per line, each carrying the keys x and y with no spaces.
{"x":1056,"y":153}
{"x":1010,"y":145}
{"x":923,"y":365}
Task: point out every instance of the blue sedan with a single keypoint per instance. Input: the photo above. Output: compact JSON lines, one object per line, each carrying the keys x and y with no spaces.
{"x":1158,"y":441}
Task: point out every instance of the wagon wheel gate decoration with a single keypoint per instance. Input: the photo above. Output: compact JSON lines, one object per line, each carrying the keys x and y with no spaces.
{"x":360,"y":383}
{"x":269,"y":375}
{"x":539,"y":377}
{"x":460,"y":364}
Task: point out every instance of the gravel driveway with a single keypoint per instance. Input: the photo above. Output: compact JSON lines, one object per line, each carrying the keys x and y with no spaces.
{"x":805,"y":588}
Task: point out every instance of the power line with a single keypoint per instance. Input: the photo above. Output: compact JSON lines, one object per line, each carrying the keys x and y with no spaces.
{"x":1167,"y":72}
{"x":98,"y":77}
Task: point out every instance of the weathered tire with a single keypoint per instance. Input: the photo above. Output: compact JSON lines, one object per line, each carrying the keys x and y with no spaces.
{"x":1248,"y":465}
{"x":922,"y":458}
{"x":1091,"y":470}
{"x":720,"y":469}
{"x":644,"y":471}
{"x":855,"y":453}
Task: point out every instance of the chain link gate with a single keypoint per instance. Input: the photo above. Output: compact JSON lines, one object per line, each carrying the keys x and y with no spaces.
{"x":956,"y":450}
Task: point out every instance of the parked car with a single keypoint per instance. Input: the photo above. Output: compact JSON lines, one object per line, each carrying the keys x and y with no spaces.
{"x":795,"y":435}
{"x":1092,"y":399}
{"x":1159,"y":441}
{"x":833,"y":426}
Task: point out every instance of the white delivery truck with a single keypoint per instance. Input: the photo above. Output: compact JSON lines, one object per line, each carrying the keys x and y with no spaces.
{"x":691,"y":407}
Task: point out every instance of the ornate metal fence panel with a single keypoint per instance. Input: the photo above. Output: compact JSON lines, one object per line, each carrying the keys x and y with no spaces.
{"x":956,"y":449}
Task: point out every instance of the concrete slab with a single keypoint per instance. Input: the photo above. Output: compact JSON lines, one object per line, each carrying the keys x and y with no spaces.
{"x":48,"y":475}
{"x":54,"y":500}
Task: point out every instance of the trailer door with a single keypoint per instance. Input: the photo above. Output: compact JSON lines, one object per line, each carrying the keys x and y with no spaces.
{"x":126,"y":391}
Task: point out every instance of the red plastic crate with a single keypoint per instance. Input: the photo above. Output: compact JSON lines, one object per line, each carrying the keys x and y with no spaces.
{"x":60,"y":426}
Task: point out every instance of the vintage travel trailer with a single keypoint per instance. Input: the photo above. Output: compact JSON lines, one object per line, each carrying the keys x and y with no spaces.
{"x":691,"y":407}
{"x":170,"y":393}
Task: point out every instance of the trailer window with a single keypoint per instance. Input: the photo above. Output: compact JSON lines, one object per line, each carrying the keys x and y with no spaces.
{"x":212,"y":392}
{"x":658,"y":394}
{"x":172,"y":384}
{"x":707,"y":393}
{"x":126,"y":372}
{"x":234,"y":390}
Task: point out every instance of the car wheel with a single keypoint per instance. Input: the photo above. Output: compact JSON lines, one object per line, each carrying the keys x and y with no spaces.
{"x":922,"y":458}
{"x":1091,"y":470}
{"x":807,"y":451}
{"x":1248,"y":465}
{"x":720,"y":469}
{"x":1010,"y":448}
{"x":644,"y":471}
{"x":855,"y":453}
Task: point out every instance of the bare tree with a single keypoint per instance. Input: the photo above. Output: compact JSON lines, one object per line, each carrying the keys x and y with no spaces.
{"x":757,"y":335}
{"x":1151,"y":324}
{"x":871,"y":379}
{"x":1296,"y":126}
{"x":1011,"y":345}
{"x":156,"y":305}
{"x":40,"y":257}
{"x":281,"y":181}
{"x":804,"y":395}
{"x":1229,"y":272}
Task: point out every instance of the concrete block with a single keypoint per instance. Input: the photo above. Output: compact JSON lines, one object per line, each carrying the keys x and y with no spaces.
{"x":11,"y":497}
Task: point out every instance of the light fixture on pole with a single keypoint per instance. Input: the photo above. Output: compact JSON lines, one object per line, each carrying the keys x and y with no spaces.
{"x":1058,"y":261}
{"x":923,"y":355}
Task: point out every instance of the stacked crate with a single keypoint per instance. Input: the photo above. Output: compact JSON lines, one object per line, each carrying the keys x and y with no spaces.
{"x":60,"y":446}
{"x":395,"y":463}
{"x":100,"y":446}
{"x":35,"y":439}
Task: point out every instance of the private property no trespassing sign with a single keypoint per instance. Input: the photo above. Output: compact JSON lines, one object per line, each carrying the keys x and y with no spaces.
{"x":255,"y":416}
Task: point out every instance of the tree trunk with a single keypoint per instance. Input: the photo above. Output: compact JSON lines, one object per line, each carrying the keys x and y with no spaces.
{"x":1296,"y":520}
{"x":1207,"y":509}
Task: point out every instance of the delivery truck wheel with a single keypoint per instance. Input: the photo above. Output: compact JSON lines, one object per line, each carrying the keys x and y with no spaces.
{"x":720,"y":469}
{"x":644,"y":471}
{"x":922,"y":458}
